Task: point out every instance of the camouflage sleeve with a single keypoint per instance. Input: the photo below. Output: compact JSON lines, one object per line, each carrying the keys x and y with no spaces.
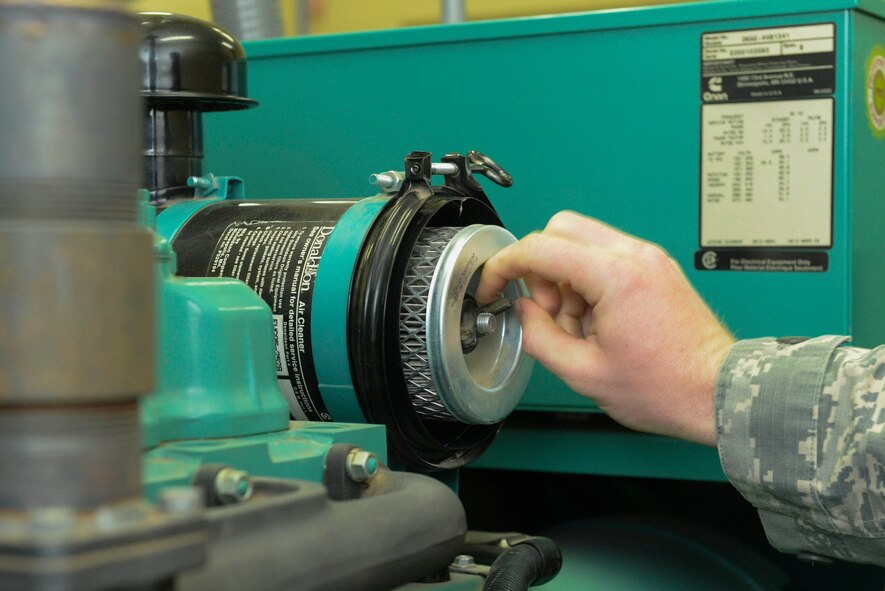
{"x":801,"y":434}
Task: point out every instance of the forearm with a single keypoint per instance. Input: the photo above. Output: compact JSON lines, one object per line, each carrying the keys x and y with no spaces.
{"x":801,"y":434}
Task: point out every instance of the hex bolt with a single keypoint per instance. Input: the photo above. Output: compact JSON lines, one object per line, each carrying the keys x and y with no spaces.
{"x":463,"y":561}
{"x":232,"y":486}
{"x":361,"y":465}
{"x":389,"y":182}
{"x":181,"y":500}
{"x":486,"y":323}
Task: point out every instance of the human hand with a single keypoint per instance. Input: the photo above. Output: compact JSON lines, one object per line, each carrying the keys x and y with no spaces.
{"x":617,"y":320}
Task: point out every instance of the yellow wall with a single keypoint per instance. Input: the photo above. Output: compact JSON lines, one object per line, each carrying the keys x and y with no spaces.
{"x":334,"y":16}
{"x":197,"y":8}
{"x":355,"y":15}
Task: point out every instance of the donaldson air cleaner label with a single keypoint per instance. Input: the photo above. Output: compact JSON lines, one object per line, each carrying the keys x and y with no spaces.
{"x":761,"y":64}
{"x":279,"y":260}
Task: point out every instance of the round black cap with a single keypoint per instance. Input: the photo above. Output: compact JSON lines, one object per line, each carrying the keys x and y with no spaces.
{"x":190,"y":64}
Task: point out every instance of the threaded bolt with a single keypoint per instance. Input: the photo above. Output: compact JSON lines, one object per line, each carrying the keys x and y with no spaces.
{"x":232,"y":486}
{"x":486,"y":323}
{"x":199,"y":182}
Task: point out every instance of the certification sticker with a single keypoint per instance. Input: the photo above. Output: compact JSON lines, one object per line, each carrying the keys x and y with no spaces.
{"x":875,"y":91}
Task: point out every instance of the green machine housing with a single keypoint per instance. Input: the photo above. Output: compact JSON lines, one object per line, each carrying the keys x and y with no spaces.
{"x":747,"y":137}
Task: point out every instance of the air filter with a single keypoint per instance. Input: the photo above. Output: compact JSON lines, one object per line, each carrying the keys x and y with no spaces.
{"x":456,"y":368}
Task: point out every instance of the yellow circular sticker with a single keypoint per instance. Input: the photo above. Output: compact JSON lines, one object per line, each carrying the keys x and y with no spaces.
{"x":875,"y":91}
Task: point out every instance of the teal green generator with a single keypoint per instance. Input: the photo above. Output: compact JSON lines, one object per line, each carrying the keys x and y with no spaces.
{"x":746,"y":137}
{"x":270,"y":371}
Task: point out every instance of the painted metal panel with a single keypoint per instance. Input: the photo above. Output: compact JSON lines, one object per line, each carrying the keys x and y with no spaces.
{"x":597,"y":112}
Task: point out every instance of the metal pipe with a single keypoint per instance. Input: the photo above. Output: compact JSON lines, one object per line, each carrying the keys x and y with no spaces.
{"x":76,"y":275}
{"x":249,"y":19}
{"x":173,"y":152}
{"x":302,"y":17}
{"x":453,"y":11}
{"x":77,"y":307}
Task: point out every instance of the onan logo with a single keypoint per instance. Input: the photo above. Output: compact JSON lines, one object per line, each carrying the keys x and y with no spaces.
{"x":715,"y":93}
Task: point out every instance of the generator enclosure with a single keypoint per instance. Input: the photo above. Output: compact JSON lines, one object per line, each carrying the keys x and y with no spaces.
{"x":746,"y":137}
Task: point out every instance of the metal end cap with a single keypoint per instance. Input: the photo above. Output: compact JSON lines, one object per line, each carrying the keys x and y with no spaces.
{"x":483,"y":386}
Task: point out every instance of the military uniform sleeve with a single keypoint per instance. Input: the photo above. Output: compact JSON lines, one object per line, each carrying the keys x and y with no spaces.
{"x":801,"y":434}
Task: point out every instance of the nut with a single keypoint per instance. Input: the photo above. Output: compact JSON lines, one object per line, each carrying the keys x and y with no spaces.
{"x":463,"y":561}
{"x":232,"y":486}
{"x":361,"y":465}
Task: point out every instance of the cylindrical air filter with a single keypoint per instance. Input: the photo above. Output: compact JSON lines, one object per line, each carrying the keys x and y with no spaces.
{"x":370,"y":299}
{"x":452,"y":373}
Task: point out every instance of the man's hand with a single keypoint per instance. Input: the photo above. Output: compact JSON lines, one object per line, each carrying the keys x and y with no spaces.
{"x":617,"y":320}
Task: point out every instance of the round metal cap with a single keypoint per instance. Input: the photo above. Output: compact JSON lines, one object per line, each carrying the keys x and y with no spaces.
{"x":191,"y":64}
{"x":484,"y":385}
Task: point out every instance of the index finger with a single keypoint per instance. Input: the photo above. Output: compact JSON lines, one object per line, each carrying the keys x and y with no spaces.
{"x":551,"y":258}
{"x":586,"y":230}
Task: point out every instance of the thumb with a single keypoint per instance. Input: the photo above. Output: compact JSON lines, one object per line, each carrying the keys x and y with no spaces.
{"x":567,"y":356}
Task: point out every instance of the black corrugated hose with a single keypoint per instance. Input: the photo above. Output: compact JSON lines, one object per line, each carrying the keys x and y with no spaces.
{"x":532,"y":561}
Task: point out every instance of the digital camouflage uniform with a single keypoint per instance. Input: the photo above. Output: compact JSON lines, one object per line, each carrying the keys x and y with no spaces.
{"x":801,"y":434}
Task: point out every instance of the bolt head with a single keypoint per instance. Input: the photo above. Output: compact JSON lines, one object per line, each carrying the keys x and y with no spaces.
{"x":415,"y":169}
{"x":361,"y":465}
{"x":232,"y":486}
{"x":463,"y":561}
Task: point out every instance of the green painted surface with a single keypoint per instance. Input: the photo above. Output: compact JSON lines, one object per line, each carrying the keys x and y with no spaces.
{"x":576,"y":450}
{"x":565,"y":24}
{"x":217,"y":399}
{"x":296,"y":452}
{"x":328,"y":318}
{"x":618,"y":93}
{"x":634,"y":555}
{"x":216,"y":373}
{"x":867,"y":155}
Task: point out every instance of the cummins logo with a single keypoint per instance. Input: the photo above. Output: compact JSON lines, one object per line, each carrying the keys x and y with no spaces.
{"x":715,"y":93}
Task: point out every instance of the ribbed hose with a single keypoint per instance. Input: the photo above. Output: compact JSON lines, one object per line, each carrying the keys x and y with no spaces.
{"x":515,"y":570}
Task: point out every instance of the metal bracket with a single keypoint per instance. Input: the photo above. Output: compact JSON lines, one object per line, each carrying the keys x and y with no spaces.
{"x":458,"y":171}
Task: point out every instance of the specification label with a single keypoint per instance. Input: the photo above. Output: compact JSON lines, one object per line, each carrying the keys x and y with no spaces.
{"x":766,"y":174}
{"x":766,"y":161}
{"x":279,"y":260}
{"x":764,"y":64}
